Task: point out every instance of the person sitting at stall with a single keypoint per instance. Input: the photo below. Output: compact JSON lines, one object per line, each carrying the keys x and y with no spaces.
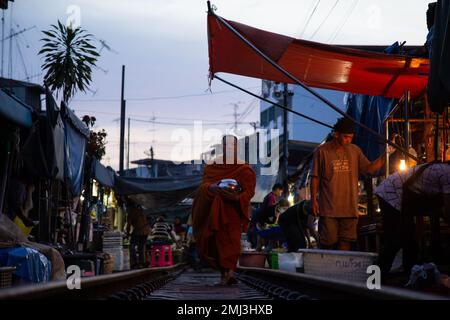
{"x":163,"y":232}
{"x":270,"y":200}
{"x":265,"y":214}
{"x":252,"y":232}
{"x":421,"y":190}
{"x":269,"y":232}
{"x":141,"y":229}
{"x":19,"y":202}
{"x":179,"y":229}
{"x":294,"y":223}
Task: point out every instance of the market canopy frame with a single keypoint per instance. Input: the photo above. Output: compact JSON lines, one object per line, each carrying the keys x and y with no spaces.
{"x":239,"y":49}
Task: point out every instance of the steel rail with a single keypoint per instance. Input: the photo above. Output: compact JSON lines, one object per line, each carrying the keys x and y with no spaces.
{"x":326,"y":288}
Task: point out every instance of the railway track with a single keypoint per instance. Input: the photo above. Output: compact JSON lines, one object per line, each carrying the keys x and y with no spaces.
{"x":182,"y":283}
{"x":191,"y":285}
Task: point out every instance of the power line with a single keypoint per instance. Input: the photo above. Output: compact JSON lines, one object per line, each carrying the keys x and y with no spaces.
{"x":349,"y":12}
{"x":145,"y":116}
{"x":309,"y":10}
{"x":183,"y":124}
{"x":163,"y":97}
{"x":179,"y":124}
{"x":309,"y":19}
{"x":324,"y":20}
{"x":249,"y":109}
{"x":134,"y":116}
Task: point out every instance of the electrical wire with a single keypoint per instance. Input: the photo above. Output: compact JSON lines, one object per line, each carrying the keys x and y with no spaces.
{"x":162,"y":97}
{"x":324,"y":20}
{"x":309,"y":19}
{"x":338,"y":30}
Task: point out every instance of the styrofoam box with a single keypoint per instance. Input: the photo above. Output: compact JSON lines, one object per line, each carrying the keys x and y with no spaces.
{"x":339,"y":265}
{"x":290,"y":261}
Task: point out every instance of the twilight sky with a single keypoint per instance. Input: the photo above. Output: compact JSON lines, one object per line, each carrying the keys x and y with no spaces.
{"x":163,"y":45}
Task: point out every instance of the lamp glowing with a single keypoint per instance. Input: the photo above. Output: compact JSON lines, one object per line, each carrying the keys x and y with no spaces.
{"x":291,"y":199}
{"x":402,"y":165}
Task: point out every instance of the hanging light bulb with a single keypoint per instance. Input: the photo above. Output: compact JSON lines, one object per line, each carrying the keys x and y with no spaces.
{"x":402,"y":166}
{"x":291,"y":199}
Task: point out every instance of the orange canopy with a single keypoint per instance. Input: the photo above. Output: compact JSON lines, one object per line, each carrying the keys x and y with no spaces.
{"x":314,"y":64}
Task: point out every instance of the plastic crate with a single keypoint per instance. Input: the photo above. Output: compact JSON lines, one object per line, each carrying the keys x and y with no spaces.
{"x":6,"y":276}
{"x":340,"y":265}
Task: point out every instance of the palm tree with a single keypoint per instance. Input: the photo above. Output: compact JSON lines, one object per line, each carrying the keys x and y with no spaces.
{"x":69,"y":58}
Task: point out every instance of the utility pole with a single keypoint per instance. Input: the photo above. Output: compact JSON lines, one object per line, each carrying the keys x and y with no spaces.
{"x":10,"y":44}
{"x":407,"y":126}
{"x":285,"y":141}
{"x":3,"y":40}
{"x":122,"y":124}
{"x":128,"y":148}
{"x":235,"y":115}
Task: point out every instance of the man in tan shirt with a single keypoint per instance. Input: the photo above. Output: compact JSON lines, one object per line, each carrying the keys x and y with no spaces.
{"x":337,"y":165}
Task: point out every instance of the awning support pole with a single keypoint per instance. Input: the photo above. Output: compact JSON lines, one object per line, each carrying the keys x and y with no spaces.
{"x":387,"y":146}
{"x":273,"y":103}
{"x":285,"y":141}
{"x":407,"y":142}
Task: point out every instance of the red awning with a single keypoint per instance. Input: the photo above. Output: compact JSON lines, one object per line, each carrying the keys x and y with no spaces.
{"x":315,"y":64}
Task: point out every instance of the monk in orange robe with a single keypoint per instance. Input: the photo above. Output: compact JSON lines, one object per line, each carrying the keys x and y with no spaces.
{"x":219,"y":216}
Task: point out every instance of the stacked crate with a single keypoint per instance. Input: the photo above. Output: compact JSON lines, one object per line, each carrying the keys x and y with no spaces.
{"x":113,"y":245}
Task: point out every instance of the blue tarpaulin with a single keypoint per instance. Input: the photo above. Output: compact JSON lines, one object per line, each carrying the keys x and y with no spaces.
{"x":370,"y":111}
{"x":76,"y":133}
{"x":105,"y":176}
{"x":14,"y":110}
{"x":31,"y":266}
{"x":439,"y":78}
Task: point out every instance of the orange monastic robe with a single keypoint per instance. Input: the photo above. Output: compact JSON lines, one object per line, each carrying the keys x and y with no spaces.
{"x":217,"y":222}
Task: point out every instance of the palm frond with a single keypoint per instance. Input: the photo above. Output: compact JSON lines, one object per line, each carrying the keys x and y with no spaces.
{"x":68,"y":59}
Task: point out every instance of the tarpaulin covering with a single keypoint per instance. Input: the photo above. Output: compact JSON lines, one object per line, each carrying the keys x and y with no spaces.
{"x":31,"y":266}
{"x":157,"y":192}
{"x":370,"y":111}
{"x":14,"y":110}
{"x":58,"y":145}
{"x":55,"y":137}
{"x":315,"y":64}
{"x":104,"y":176}
{"x":43,"y":150}
{"x":439,"y":80}
{"x":76,"y":133}
{"x":181,"y":210}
